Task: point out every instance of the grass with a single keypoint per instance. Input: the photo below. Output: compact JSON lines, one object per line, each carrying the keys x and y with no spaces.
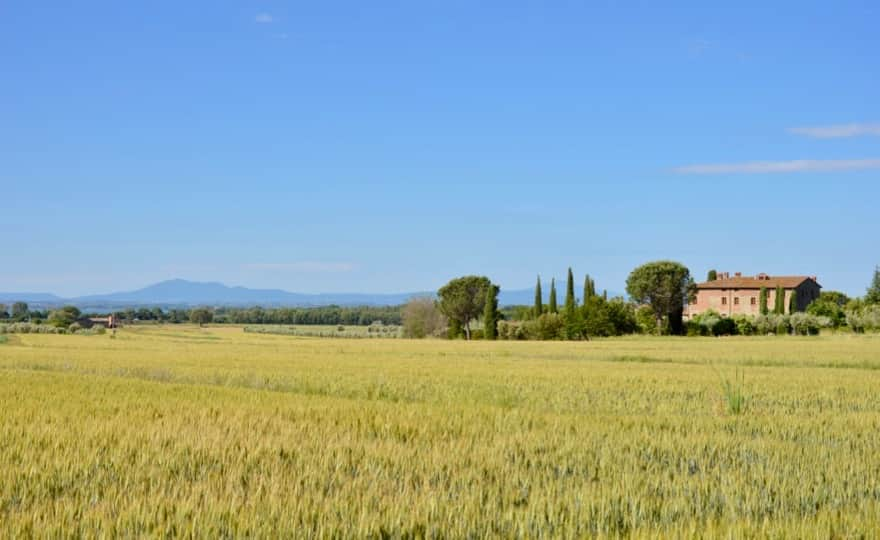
{"x":214,"y":432}
{"x":733,"y":391}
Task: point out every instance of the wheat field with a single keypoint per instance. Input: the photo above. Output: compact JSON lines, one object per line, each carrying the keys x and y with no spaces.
{"x":177,"y":431}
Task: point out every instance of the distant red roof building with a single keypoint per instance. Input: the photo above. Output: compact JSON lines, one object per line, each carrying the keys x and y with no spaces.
{"x":738,"y":294}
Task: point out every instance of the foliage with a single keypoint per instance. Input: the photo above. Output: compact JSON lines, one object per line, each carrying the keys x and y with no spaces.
{"x":319,"y":331}
{"x":422,"y":318}
{"x":863,"y":317}
{"x":712,"y":276}
{"x":549,"y":326}
{"x":201,"y":316}
{"x":574,"y":326}
{"x":806,"y":324}
{"x":621,"y":315}
{"x":793,"y":302}
{"x":645,"y":320}
{"x":830,"y":304}
{"x":3,"y":313}
{"x":745,"y":325}
{"x":490,"y":313}
{"x":538,"y":308}
{"x":30,"y":328}
{"x":511,"y":330}
{"x":64,"y":317}
{"x":19,"y":311}
{"x":764,"y":309}
{"x":589,"y":287}
{"x":665,"y":286}
{"x":551,"y":304}
{"x":779,"y":301}
{"x":463,"y":299}
{"x":872,"y":295}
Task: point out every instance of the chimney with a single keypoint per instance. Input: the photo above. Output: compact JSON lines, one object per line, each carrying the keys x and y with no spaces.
{"x":814,"y":279}
{"x":738,"y":274}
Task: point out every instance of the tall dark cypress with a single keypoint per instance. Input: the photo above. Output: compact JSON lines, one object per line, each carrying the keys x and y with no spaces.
{"x":586,"y":295}
{"x":762,"y":301}
{"x":551,"y":307}
{"x":589,"y":287}
{"x":713,"y":275}
{"x":490,"y":313}
{"x":570,"y":302}
{"x":572,"y":321}
{"x":779,"y":303}
{"x":793,"y":302}
{"x":539,"y":299}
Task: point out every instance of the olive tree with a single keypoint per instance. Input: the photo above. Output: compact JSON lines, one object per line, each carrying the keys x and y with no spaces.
{"x":201,"y":316}
{"x":421,"y":318}
{"x":664,"y":286}
{"x":463,"y":299}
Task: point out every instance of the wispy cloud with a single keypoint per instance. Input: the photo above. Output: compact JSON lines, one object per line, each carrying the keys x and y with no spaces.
{"x":264,"y":18}
{"x":838,"y":131}
{"x":303,"y":266}
{"x":764,"y":167}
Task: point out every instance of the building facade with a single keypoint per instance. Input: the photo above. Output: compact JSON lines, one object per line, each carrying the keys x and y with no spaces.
{"x":737,"y":294}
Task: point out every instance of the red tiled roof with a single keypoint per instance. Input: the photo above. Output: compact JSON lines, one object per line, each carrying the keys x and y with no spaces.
{"x":751,"y":282}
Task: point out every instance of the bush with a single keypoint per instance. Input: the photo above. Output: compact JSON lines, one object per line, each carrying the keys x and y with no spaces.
{"x":74,"y":328}
{"x":422,"y":318}
{"x":807,"y":324}
{"x":863,"y":318}
{"x":30,"y":328}
{"x":645,"y":320}
{"x":724,"y":327}
{"x":548,"y":326}
{"x":745,"y":325}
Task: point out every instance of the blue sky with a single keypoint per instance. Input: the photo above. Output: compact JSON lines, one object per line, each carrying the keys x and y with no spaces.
{"x":389,"y":146}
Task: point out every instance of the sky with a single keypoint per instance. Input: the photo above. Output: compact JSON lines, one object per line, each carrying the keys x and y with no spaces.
{"x":390,"y":146}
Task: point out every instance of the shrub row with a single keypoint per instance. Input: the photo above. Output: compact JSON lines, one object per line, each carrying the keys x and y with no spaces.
{"x":711,"y":323}
{"x":30,"y":328}
{"x":866,"y":318}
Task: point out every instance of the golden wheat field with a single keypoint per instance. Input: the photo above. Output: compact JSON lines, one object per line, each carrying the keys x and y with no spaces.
{"x":178,"y":431}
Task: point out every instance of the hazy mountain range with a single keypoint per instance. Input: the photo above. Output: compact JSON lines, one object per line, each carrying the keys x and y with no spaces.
{"x":179,"y":292}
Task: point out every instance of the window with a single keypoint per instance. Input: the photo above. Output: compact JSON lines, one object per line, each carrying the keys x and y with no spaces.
{"x":723,"y":300}
{"x":754,"y":301}
{"x":736,"y":301}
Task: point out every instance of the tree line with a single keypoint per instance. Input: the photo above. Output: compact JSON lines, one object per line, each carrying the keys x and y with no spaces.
{"x":467,"y":307}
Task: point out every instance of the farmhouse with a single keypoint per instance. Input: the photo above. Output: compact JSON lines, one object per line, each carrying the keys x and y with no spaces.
{"x":738,"y":294}
{"x":107,"y":322}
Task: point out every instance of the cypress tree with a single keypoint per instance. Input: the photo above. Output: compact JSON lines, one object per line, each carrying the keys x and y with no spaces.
{"x":872,"y":295}
{"x":793,"y":302}
{"x":572,"y":322}
{"x":762,"y":302}
{"x":539,"y":299}
{"x":551,"y":308}
{"x":589,"y":287}
{"x":570,"y":302}
{"x":713,"y":275}
{"x":605,"y":294}
{"x":586,"y":295}
{"x":779,"y":304}
{"x":490,"y":313}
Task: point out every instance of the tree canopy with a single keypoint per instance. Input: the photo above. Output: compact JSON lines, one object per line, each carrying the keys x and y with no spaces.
{"x":463,"y":299}
{"x":872,"y":296}
{"x":665,"y":286}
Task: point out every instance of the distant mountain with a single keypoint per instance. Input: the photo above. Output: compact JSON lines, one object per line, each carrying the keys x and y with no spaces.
{"x":183,"y":292}
{"x":180,"y":292}
{"x":10,"y":297}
